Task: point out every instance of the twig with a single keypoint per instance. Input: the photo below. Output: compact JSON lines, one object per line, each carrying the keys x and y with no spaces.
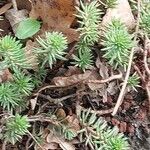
{"x":36,"y":141}
{"x":147,"y":68}
{"x":148,"y":93}
{"x":4,"y":145}
{"x":15,"y":5}
{"x":139,"y":73}
{"x":122,"y":92}
{"x":56,"y":100}
{"x":27,"y":143}
{"x":114,"y":77}
{"x":145,"y":59}
{"x":98,"y":112}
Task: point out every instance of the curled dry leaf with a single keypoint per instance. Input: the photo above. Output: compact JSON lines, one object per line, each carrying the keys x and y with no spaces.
{"x":5,"y":8}
{"x":73,"y":122}
{"x":95,"y":76}
{"x":57,"y":15}
{"x":71,"y":80}
{"x":31,"y":57}
{"x":15,"y":17}
{"x":72,"y":70}
{"x":112,"y":88}
{"x":51,"y":139}
{"x":33,"y":103}
{"x":60,"y":113}
{"x":122,"y":11}
{"x":103,"y":69}
{"x":5,"y":75}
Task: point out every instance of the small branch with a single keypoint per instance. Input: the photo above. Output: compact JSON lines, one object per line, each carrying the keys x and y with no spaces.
{"x":4,"y":145}
{"x":139,"y":73}
{"x":15,"y":5}
{"x":146,"y":48}
{"x":122,"y":92}
{"x":36,"y":141}
{"x":42,"y":118}
{"x":56,"y":100}
{"x":98,"y":112}
{"x":145,"y":60}
{"x":114,"y":77}
{"x":148,"y":93}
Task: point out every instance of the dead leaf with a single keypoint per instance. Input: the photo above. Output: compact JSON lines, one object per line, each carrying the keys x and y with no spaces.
{"x":71,"y":80}
{"x":112,"y":88}
{"x":56,"y":15}
{"x":73,"y":122}
{"x":51,"y":138}
{"x":122,"y":11}
{"x":33,"y":103}
{"x":103,"y":68}
{"x":5,"y":75}
{"x":31,"y":57}
{"x":15,"y":17}
{"x":60,"y":113}
{"x":95,"y":76}
{"x":65,"y":145}
{"x":5,"y":8}
{"x":72,"y":70}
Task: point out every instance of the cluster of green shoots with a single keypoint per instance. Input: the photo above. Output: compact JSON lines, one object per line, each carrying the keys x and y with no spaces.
{"x":98,"y":135}
{"x":116,"y":43}
{"x":145,"y":17}
{"x":110,"y":3}
{"x":88,"y":18}
{"x":13,"y":93}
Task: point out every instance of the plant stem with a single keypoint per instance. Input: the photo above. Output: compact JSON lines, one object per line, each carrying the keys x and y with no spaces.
{"x":111,"y":78}
{"x":15,"y":5}
{"x":4,"y":145}
{"x":36,"y":141}
{"x":122,"y":92}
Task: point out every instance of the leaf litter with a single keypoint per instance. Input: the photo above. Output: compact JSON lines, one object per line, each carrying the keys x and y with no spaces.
{"x":133,"y":114}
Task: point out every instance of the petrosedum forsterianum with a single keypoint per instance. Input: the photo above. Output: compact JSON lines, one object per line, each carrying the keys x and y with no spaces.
{"x":52,"y":47}
{"x":13,"y":93}
{"x":133,"y":82}
{"x":16,"y":127}
{"x":117,"y":43}
{"x":145,"y":19}
{"x":13,"y":53}
{"x":84,"y":58}
{"x":23,"y":83}
{"x":9,"y":97}
{"x":98,"y":135}
{"x":88,"y":18}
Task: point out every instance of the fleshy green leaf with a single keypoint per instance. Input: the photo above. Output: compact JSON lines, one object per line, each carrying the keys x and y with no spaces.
{"x":27,"y":28}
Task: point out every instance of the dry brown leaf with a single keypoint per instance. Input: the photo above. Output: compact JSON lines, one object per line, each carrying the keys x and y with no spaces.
{"x":103,"y":69}
{"x":5,"y":75}
{"x":65,"y":145}
{"x":60,"y":113}
{"x":31,"y":57}
{"x":122,"y":11}
{"x":71,"y":80}
{"x":15,"y":17}
{"x":93,"y":86}
{"x":112,"y":88}
{"x":5,"y":8}
{"x":33,"y":103}
{"x":56,"y":15}
{"x":72,"y":70}
{"x":51,"y":138}
{"x":73,"y":122}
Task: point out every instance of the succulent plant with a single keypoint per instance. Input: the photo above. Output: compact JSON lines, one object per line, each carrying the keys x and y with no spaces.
{"x":117,"y":43}
{"x":52,"y":47}
{"x":16,"y":127}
